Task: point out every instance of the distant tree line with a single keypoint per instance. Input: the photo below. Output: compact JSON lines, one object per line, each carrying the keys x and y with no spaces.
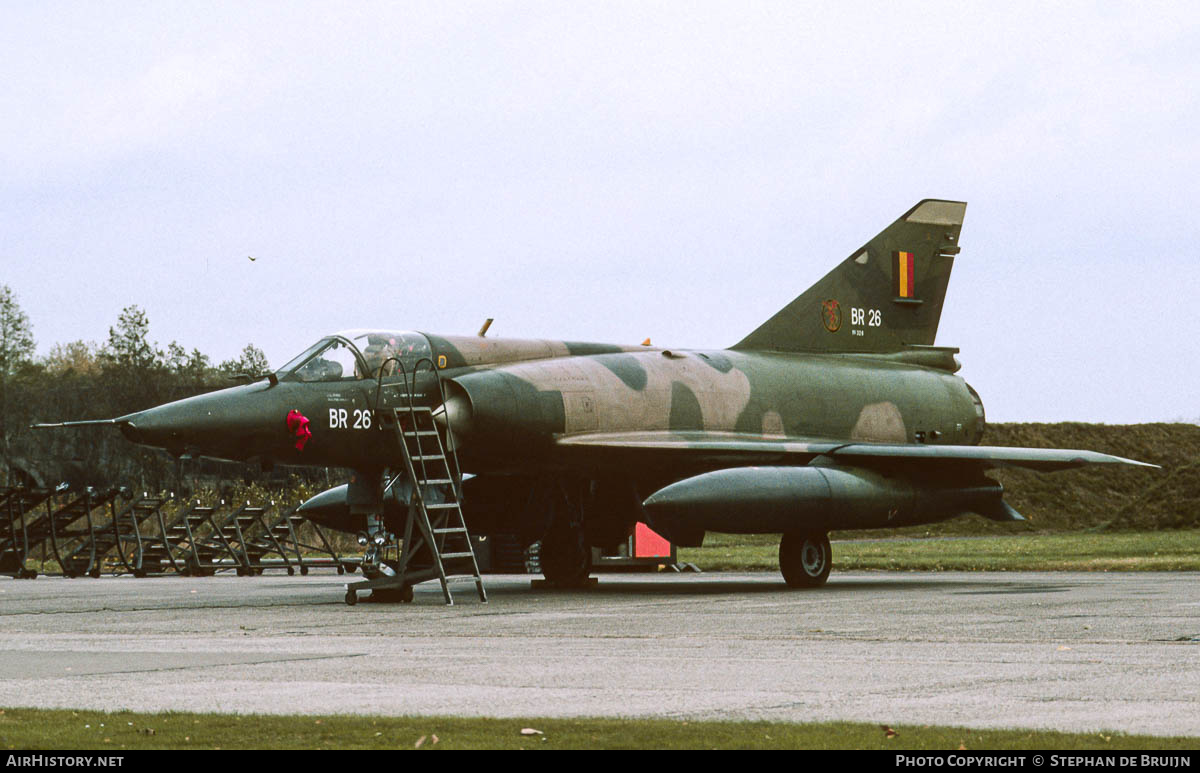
{"x":85,"y":380}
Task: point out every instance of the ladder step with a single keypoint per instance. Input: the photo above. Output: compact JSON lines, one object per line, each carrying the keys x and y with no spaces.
{"x":420,"y":433}
{"x":433,"y":457}
{"x":451,"y":530}
{"x":443,"y":506}
{"x":467,"y":554}
{"x":435,"y":481}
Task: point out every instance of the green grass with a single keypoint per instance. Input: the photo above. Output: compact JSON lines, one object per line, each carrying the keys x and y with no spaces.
{"x":1079,"y":552}
{"x":65,"y":729}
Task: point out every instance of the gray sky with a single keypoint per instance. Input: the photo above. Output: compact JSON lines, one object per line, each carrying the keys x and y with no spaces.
{"x":612,"y":171}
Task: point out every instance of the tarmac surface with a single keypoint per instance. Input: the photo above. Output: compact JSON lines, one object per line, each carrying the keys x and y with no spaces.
{"x":1066,"y":651}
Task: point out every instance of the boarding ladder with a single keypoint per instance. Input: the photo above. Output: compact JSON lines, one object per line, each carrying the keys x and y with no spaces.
{"x":436,"y":541}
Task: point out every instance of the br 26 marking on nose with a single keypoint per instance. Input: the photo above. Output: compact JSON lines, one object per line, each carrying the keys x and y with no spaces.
{"x":339,"y":418}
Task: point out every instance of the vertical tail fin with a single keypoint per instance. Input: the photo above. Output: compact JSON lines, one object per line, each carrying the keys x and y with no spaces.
{"x":886,"y":295}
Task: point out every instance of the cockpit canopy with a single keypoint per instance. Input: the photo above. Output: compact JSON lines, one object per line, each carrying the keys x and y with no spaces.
{"x":360,"y":354}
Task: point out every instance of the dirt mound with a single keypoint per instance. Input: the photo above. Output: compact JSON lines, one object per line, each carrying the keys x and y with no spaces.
{"x":1107,"y":496}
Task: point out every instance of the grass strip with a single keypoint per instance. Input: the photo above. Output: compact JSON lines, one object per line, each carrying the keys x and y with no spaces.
{"x":1153,"y":551}
{"x":66,"y":729}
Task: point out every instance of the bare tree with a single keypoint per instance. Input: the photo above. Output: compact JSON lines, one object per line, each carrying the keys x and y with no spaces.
{"x":80,"y":357}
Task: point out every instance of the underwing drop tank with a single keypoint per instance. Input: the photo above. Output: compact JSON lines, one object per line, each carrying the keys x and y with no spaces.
{"x":772,"y":500}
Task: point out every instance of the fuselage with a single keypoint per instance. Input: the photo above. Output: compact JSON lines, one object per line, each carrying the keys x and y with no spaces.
{"x":516,"y":399}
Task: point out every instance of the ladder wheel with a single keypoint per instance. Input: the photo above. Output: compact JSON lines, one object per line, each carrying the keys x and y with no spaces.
{"x":304,"y":571}
{"x":341,"y":569}
{"x":406,"y":595}
{"x":94,"y":574}
{"x":291,"y":571}
{"x":351,"y":597}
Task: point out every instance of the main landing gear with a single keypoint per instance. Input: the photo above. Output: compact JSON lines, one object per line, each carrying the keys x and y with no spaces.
{"x":805,"y":559}
{"x":566,"y":557}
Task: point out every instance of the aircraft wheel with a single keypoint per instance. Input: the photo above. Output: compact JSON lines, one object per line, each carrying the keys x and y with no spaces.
{"x":566,"y":559}
{"x":805,"y":559}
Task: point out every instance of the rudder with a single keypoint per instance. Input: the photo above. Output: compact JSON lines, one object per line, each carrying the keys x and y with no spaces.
{"x":888,"y":294}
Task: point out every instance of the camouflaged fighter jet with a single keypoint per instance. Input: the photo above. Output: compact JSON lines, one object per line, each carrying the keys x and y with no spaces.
{"x":838,"y":412}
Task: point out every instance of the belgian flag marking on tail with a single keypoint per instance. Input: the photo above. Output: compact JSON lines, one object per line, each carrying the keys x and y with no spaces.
{"x":902,"y":275}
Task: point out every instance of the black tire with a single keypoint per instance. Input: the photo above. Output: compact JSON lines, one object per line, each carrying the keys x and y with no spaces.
{"x":805,"y":559}
{"x":566,"y":557}
{"x":351,"y":597}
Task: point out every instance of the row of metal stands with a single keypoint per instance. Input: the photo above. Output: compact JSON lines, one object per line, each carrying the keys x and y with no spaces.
{"x":65,"y":522}
{"x":21,"y":505}
{"x":90,"y":532}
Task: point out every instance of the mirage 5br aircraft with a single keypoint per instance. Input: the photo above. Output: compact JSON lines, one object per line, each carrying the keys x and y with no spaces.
{"x":838,"y":412}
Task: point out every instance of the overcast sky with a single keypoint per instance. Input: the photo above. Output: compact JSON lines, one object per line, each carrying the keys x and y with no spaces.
{"x":612,"y":171}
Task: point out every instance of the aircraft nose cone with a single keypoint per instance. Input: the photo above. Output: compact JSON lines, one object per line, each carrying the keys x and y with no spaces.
{"x":230,"y":424}
{"x":129,"y":430}
{"x":161,"y":427}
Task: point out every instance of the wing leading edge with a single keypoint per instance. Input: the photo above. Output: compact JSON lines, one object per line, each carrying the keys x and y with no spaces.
{"x":731,"y":447}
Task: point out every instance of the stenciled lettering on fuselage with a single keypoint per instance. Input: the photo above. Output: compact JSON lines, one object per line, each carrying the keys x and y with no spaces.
{"x":862,"y":319}
{"x":341,"y":418}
